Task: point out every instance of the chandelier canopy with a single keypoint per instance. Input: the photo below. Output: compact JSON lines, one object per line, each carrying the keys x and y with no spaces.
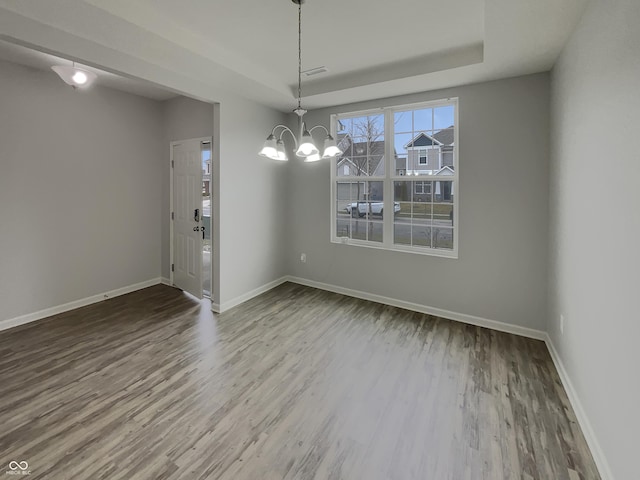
{"x":75,"y":76}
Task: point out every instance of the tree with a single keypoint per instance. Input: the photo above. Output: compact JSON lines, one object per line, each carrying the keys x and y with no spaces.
{"x":367,"y":151}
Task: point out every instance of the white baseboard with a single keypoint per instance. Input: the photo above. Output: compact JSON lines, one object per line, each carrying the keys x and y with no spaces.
{"x":460,"y":317}
{"x":166,"y":281}
{"x":48,"y":312}
{"x":598,"y":455}
{"x":223,"y":307}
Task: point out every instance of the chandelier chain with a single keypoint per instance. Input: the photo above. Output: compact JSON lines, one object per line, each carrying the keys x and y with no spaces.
{"x":299,"y":54}
{"x":305,"y":146}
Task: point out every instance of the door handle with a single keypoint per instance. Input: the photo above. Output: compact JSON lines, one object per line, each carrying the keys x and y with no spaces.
{"x":196,"y":215}
{"x":202,"y":233}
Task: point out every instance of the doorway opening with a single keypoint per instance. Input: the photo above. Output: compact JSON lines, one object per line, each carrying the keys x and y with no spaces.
{"x":206,"y":219}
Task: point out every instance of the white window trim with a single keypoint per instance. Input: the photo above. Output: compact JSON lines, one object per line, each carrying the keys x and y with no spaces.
{"x":391,"y":177}
{"x":424,"y":183}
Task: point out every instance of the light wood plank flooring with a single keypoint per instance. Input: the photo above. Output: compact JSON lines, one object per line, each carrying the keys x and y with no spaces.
{"x":295,"y":384}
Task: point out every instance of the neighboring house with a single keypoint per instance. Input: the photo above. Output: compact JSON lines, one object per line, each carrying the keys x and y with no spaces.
{"x":427,"y":154}
{"x":206,"y":173}
{"x":430,"y":155}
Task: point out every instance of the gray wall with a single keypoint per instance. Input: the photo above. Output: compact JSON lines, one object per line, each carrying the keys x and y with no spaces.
{"x":501,"y":272}
{"x":79,"y":190}
{"x":595,"y":225}
{"x":253,"y":199}
{"x":84,"y":190}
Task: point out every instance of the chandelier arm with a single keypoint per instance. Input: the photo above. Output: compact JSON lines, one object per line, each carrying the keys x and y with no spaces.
{"x":319,"y":126}
{"x":285,"y":129}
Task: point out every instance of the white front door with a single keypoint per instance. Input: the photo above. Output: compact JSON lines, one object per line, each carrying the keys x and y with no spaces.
{"x":186,"y":163}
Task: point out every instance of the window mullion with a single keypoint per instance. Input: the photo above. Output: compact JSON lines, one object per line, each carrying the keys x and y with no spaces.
{"x":387,"y":225}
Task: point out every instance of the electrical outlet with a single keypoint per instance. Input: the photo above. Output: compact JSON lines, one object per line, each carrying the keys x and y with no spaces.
{"x":561,"y":324}
{"x":303,"y":257}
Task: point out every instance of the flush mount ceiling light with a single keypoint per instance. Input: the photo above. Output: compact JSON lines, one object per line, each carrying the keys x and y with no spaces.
{"x":74,"y":76}
{"x":305,"y":148}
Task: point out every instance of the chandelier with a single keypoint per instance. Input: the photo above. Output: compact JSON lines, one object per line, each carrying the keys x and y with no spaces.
{"x":305,"y":148}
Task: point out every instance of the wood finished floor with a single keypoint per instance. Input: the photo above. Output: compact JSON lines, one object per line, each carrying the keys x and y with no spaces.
{"x":295,"y":384}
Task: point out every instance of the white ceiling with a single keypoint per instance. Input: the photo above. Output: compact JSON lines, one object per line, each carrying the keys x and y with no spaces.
{"x":371,"y":49}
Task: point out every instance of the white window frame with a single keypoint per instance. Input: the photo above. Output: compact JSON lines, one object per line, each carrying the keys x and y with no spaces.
{"x":390,"y":177}
{"x":422,"y":184}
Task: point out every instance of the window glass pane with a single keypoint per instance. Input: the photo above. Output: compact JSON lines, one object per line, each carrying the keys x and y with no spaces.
{"x":375,"y":231}
{"x":421,"y":209}
{"x":343,"y":226}
{"x":343,"y":126}
{"x":433,"y":158}
{"x":360,"y":210}
{"x":447,"y":158}
{"x":345,"y":168}
{"x":403,"y":194}
{"x":444,"y":137}
{"x":343,"y":197}
{"x":443,"y":238}
{"x":375,"y":195}
{"x":402,"y":233}
{"x":443,"y":117}
{"x":421,"y":236}
{"x":359,"y":230}
{"x":444,"y":191}
{"x":360,"y":165}
{"x":443,"y":214}
{"x":401,"y":166}
{"x":423,"y":119}
{"x":363,"y":144}
{"x":400,"y":143}
{"x":403,"y":122}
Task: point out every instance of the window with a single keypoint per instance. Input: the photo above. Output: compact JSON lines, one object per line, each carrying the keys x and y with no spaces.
{"x":422,"y":188}
{"x":402,"y":160}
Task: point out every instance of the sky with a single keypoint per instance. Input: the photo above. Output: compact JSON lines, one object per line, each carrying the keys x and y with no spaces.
{"x":407,"y":124}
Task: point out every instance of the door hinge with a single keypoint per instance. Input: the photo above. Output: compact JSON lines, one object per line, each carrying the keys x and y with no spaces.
{"x":173,"y":267}
{"x":173,"y":217}
{"x":173,"y":164}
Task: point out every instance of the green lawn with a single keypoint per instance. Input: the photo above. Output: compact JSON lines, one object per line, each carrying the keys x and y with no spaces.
{"x":441,"y":211}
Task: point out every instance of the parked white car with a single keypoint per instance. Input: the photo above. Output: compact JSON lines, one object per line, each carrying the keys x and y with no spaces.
{"x":373,"y":208}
